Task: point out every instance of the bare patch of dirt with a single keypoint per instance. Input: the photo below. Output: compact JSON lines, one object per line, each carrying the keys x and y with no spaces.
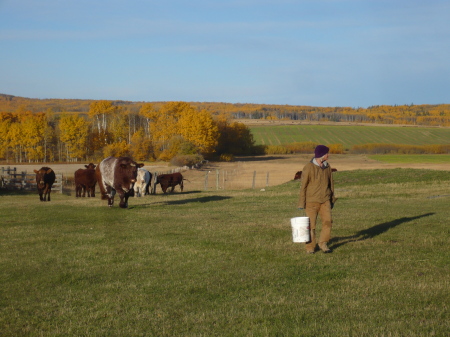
{"x":264,"y":170}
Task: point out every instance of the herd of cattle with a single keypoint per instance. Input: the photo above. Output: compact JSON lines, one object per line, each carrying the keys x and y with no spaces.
{"x":114,"y":175}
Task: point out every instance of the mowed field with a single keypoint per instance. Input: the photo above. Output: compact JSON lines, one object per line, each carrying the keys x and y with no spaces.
{"x":348,"y":135}
{"x":222,"y":262}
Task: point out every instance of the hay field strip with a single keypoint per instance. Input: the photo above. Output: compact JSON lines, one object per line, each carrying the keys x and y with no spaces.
{"x":348,"y":135}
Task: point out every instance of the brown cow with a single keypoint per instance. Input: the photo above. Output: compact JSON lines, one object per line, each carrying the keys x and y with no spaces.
{"x":170,"y":180}
{"x":45,"y":178}
{"x":85,"y":180}
{"x":117,"y":175}
{"x":298,"y":175}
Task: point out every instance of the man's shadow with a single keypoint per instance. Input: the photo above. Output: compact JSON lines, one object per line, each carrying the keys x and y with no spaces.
{"x":373,"y":231}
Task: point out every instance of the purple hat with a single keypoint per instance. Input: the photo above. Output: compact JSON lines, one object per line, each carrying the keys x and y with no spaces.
{"x":320,"y":151}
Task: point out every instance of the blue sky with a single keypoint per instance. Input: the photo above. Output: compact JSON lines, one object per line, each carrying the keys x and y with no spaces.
{"x":352,"y":53}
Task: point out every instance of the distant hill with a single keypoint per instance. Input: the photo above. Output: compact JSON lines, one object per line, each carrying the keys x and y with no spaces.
{"x":426,"y":114}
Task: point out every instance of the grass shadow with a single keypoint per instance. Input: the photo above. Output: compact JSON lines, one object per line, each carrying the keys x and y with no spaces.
{"x":202,"y":200}
{"x":371,"y":232}
{"x":186,"y":201}
{"x":259,"y":158}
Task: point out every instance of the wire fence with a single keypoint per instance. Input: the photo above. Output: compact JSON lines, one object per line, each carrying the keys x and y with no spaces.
{"x":235,"y":179}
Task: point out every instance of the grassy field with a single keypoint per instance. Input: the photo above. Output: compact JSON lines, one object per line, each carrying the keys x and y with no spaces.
{"x":414,"y":158}
{"x":349,"y":135}
{"x":221,"y":263}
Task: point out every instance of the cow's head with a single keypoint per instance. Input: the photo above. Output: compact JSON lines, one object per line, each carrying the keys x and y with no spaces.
{"x":90,"y":166}
{"x":40,"y":176}
{"x":129,"y":170}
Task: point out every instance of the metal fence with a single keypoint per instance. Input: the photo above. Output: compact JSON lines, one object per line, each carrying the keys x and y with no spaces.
{"x":12,"y":179}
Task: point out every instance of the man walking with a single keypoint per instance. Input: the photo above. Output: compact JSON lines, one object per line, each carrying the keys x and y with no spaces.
{"x":317,"y":197}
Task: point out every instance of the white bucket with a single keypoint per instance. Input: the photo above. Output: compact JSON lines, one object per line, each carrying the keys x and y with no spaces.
{"x":300,"y":229}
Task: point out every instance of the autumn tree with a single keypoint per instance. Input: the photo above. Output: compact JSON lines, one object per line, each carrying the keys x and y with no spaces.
{"x":199,"y":128}
{"x":33,"y":128}
{"x":235,"y":138}
{"x":148,"y":112}
{"x":141,"y":147}
{"x":100,"y":111}
{"x":164,"y":123}
{"x":74,"y":133}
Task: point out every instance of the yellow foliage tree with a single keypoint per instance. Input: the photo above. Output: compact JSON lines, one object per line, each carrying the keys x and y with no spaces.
{"x":200,"y":129}
{"x":149,"y":113}
{"x":116,"y":149}
{"x":164,"y":123}
{"x":140,"y":146}
{"x":74,"y":133}
{"x":99,"y":110}
{"x":33,"y":134}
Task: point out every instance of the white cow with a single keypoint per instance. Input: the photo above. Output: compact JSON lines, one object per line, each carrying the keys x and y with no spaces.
{"x":142,"y":184}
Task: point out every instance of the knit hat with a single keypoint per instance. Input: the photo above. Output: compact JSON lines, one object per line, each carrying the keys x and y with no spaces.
{"x":320,"y":151}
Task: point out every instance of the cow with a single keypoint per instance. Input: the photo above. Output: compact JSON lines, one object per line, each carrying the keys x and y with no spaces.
{"x":143,"y":182}
{"x":85,"y":180}
{"x":170,"y":180}
{"x":45,"y":178}
{"x":117,"y":174}
{"x":298,"y":175}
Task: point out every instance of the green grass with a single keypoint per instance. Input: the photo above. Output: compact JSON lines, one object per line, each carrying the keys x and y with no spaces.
{"x":349,"y":135}
{"x":413,"y":158}
{"x":222,"y":263}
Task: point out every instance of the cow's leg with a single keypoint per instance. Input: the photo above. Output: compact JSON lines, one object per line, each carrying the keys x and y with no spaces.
{"x":123,"y":198}
{"x":47,"y":191}
{"x":41,"y":195}
{"x":44,"y":194}
{"x":77,"y":188}
{"x":111,"y":195}
{"x":126,"y":199}
{"x":93,"y":191}
{"x":84,"y":190}
{"x":181,"y":185}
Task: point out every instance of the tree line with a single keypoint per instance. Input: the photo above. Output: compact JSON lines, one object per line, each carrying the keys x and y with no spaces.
{"x":425,"y":114}
{"x":152,"y":132}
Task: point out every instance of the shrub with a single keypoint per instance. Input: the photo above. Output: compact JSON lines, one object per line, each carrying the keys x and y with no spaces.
{"x":336,"y":148}
{"x":276,"y":149}
{"x":186,"y":160}
{"x":303,"y":147}
{"x":227,"y":157}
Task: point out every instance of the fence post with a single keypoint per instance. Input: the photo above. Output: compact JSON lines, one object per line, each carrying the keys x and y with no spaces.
{"x":61,"y":183}
{"x":267,"y":179}
{"x":206,"y":181}
{"x":154,"y":178}
{"x":254,"y":178}
{"x":217,"y":179}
